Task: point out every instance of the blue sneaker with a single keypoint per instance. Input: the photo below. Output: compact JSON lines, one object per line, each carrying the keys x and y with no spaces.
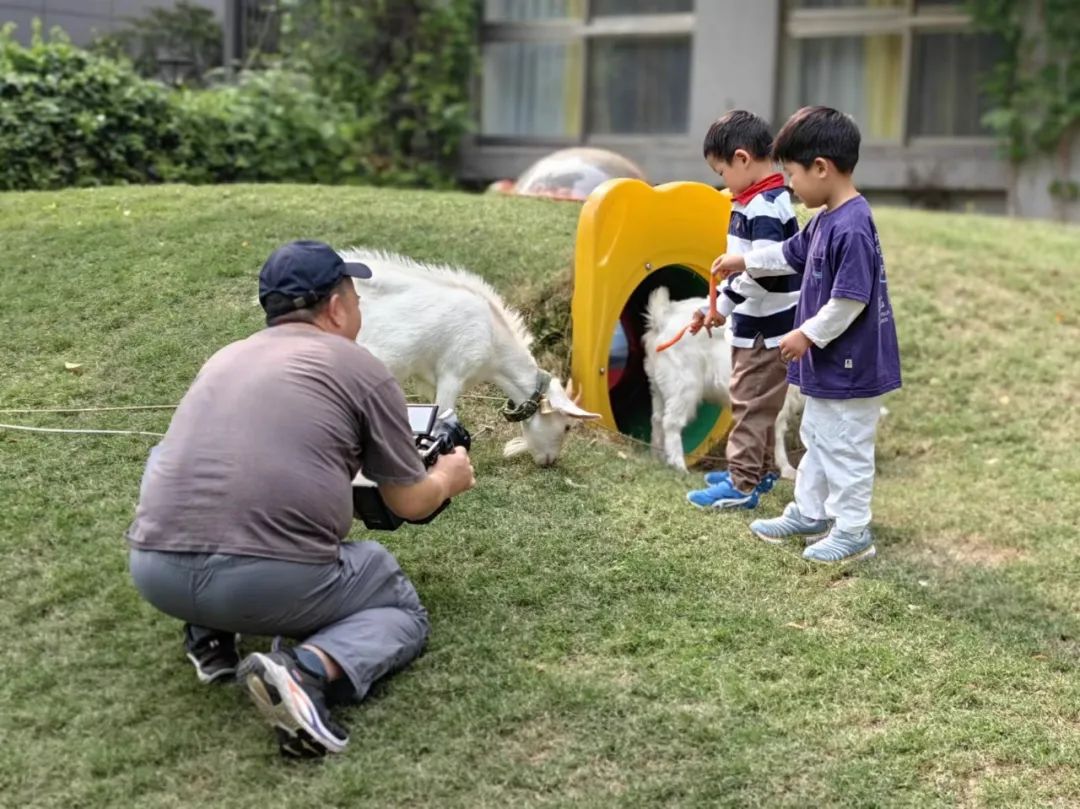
{"x":789,"y":524}
{"x":724,"y":476}
{"x":723,"y":495}
{"x":767,"y":483}
{"x":842,"y":546}
{"x":717,"y":477}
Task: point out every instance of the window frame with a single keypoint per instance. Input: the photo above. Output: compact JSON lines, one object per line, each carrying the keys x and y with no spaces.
{"x":907,"y":20}
{"x":584,"y":29}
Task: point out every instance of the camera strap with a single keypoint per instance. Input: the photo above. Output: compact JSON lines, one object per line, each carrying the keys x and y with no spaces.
{"x":525,"y":410}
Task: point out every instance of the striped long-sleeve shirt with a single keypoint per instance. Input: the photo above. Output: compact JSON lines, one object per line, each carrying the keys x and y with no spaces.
{"x":764,"y":306}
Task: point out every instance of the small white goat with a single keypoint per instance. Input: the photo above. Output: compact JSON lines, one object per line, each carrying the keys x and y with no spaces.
{"x":450,"y":330}
{"x":693,"y":370}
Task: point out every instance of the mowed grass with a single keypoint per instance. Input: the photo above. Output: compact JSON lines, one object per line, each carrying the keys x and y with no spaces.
{"x":596,"y":642}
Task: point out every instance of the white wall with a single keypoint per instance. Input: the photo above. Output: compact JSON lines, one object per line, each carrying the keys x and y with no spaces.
{"x":1031,"y":197}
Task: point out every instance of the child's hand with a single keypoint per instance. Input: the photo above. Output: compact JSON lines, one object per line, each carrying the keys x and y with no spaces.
{"x":714,"y":321}
{"x":696,"y":322}
{"x":728,"y":264}
{"x":794,"y":345}
{"x":704,"y":320}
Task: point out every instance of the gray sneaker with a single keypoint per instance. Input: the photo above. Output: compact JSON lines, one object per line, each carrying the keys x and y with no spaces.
{"x":293,"y":701}
{"x":789,"y":524}
{"x":842,"y":546}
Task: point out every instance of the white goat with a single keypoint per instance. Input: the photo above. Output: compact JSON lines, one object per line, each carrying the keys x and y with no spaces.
{"x":693,"y":370}
{"x":450,"y":330}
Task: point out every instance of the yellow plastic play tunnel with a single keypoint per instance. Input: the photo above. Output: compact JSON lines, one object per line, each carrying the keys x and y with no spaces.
{"x":631,"y":239}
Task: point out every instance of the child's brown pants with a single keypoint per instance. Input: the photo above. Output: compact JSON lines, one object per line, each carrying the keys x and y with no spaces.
{"x":758,"y":387}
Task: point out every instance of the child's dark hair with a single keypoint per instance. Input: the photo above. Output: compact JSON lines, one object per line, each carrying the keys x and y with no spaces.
{"x":738,"y":129}
{"x":815,"y":132}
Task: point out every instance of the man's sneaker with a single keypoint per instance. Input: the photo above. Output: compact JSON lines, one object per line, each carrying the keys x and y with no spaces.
{"x":789,"y":524}
{"x":293,"y":701}
{"x":842,"y":546}
{"x":214,"y":656}
{"x":724,"y":476}
{"x":723,"y":495}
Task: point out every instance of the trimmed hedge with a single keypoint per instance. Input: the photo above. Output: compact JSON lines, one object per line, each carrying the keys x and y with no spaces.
{"x":271,"y":127}
{"x":72,"y":118}
{"x":68,"y":117}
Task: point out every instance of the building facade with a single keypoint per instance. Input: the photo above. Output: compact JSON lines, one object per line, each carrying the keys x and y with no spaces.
{"x":646,"y":77}
{"x":83,"y":20}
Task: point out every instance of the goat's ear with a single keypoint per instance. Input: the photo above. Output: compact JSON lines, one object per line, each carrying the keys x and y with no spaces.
{"x":514,"y":447}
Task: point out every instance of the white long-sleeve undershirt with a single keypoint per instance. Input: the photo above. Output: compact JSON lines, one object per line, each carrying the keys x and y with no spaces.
{"x":767,"y":261}
{"x":832,"y":320}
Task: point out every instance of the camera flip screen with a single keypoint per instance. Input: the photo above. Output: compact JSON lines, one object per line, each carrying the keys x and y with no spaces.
{"x":422,"y":418}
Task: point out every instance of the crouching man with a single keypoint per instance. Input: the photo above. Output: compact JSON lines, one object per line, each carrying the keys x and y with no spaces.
{"x":246,"y":501}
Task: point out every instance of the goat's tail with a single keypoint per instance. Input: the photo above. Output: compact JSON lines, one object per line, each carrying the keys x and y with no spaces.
{"x":657,"y":308}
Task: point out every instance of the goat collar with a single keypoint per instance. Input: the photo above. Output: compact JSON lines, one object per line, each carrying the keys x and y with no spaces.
{"x":526,"y":410}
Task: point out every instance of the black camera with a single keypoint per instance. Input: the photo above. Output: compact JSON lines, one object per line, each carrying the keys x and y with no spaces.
{"x":434,"y":435}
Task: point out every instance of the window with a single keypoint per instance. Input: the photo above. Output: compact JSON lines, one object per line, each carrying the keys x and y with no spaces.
{"x":524,"y":10}
{"x":638,"y":85}
{"x":604,"y":8}
{"x":848,"y":3}
{"x":562,"y":70}
{"x":532,"y":89}
{"x":861,"y":75}
{"x":954,"y":106}
{"x":900,"y":68}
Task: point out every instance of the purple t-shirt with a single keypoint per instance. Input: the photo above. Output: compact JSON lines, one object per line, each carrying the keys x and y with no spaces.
{"x":839,"y":256}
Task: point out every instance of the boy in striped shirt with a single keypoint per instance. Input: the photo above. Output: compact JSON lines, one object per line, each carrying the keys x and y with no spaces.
{"x":738,"y":148}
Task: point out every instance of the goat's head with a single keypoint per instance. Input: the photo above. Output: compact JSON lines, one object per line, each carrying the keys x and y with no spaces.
{"x":543,"y":433}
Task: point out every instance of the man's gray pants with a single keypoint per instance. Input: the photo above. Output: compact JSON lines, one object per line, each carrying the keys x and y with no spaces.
{"x":361,"y":610}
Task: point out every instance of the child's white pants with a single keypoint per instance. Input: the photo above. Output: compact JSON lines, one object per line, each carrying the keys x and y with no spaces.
{"x":836,"y":475}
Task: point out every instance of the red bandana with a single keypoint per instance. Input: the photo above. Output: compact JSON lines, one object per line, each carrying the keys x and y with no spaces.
{"x":768,"y":184}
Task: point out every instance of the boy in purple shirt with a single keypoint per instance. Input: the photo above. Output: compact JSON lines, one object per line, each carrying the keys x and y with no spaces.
{"x":843,"y":352}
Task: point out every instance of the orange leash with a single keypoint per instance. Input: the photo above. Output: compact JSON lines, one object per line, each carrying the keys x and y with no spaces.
{"x":712,"y":311}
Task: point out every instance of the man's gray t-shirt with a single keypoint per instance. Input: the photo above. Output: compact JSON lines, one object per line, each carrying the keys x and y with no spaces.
{"x":261,"y":453}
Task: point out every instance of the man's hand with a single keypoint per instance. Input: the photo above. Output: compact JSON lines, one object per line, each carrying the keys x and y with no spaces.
{"x":451,"y":475}
{"x":457,"y":471}
{"x":794,"y":345}
{"x":728,"y":264}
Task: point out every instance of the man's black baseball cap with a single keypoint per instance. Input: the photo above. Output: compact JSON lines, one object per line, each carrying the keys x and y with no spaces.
{"x":302,"y":273}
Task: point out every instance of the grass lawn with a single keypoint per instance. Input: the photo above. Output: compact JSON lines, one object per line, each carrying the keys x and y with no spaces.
{"x":595,"y":640}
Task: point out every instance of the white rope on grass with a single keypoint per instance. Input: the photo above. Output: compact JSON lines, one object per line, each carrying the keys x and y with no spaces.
{"x":85,"y":409}
{"x":628,"y":438}
{"x":86,"y":432}
{"x":10,"y":410}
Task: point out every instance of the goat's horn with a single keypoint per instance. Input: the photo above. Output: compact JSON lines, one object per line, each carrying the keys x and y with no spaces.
{"x":573,"y":397}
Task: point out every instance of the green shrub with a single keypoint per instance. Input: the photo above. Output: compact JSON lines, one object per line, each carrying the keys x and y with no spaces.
{"x":73,"y":118}
{"x":68,"y":117}
{"x":377,"y":92}
{"x":271,"y":127}
{"x":404,"y":65}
